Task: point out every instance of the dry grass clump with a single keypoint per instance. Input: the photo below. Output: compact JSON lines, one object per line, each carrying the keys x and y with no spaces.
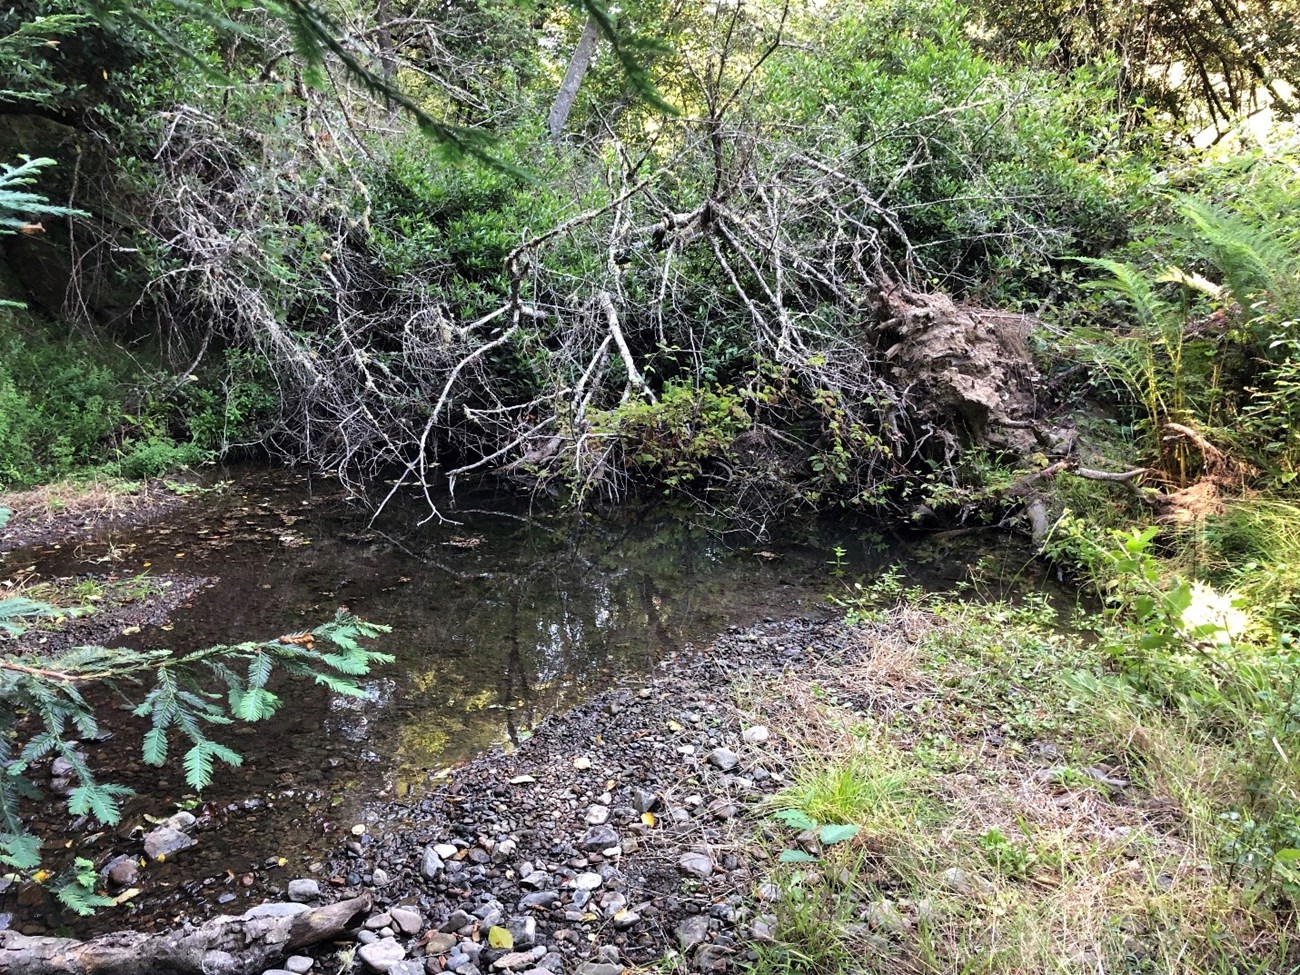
{"x":103,"y":498}
{"x":1003,"y":829}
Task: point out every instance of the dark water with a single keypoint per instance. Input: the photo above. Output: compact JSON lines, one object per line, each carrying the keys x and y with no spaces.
{"x":497,"y":621}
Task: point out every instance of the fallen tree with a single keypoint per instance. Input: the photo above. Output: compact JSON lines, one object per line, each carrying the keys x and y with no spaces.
{"x":738,"y":258}
{"x":244,"y":945}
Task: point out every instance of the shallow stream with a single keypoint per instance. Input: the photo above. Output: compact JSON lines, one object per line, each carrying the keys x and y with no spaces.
{"x":497,"y":621}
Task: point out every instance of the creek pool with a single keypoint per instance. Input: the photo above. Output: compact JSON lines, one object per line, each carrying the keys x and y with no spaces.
{"x":498,"y":620}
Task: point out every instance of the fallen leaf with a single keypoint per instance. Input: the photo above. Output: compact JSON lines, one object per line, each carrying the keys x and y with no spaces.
{"x":582,"y":763}
{"x":126,"y":895}
{"x":675,"y":726}
{"x":522,"y":780}
{"x":648,"y":818}
{"x":500,"y":939}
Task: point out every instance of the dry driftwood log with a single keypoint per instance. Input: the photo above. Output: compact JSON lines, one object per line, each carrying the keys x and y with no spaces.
{"x":243,"y":945}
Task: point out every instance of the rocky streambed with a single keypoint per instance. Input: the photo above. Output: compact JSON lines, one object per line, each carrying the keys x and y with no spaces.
{"x":619,"y":833}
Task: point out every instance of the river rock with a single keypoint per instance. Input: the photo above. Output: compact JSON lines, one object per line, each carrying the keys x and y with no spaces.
{"x":884,"y":916}
{"x":543,"y":898}
{"x":60,"y":768}
{"x":599,"y":968}
{"x":180,"y":821}
{"x":277,"y":909}
{"x":697,"y":865}
{"x":382,"y":955}
{"x":406,"y":920}
{"x":711,"y":958}
{"x":724,"y":759}
{"x":597,"y":815}
{"x":523,"y":930}
{"x":587,"y":881}
{"x":457,"y":921}
{"x":304,"y":889}
{"x":518,"y":959}
{"x":379,"y":877}
{"x":377,"y":922}
{"x":692,"y":931}
{"x":440,"y":943}
{"x":756,"y":735}
{"x":164,"y":842}
{"x":598,"y":838}
{"x":445,"y":850}
{"x":123,"y":871}
{"x":643,"y":800}
{"x":298,"y":964}
{"x":430,"y":864}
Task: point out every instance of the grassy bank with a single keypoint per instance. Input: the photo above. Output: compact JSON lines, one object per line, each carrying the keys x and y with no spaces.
{"x":1029,"y":797}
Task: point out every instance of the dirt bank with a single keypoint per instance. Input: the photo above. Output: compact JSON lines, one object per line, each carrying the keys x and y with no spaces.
{"x":74,"y":511}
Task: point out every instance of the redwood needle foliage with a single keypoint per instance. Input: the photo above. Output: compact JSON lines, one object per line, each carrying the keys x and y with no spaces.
{"x":46,"y":709}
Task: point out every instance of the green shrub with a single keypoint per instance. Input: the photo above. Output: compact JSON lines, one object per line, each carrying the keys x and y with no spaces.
{"x":155,"y":457}
{"x":993,"y":171}
{"x":59,"y":404}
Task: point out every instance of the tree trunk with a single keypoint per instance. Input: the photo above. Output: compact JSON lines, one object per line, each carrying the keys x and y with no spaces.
{"x":244,"y":945}
{"x":568,"y":93}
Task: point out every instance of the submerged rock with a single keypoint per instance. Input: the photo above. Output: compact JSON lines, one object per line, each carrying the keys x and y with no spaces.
{"x":165,"y":841}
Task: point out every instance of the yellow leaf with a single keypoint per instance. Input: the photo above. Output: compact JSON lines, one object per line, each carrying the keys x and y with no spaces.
{"x":674,"y":726}
{"x":648,"y":818}
{"x":282,"y":861}
{"x":500,"y":939}
{"x":40,"y":876}
{"x":128,"y":630}
{"x":126,"y":895}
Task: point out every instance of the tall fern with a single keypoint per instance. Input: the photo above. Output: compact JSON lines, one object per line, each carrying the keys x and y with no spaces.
{"x":1261,"y":268}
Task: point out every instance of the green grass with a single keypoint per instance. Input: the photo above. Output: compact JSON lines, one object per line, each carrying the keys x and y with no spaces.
{"x":956,"y":741}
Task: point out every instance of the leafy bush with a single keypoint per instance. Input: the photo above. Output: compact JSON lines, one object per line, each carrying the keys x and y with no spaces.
{"x":59,"y":404}
{"x":993,"y":171}
{"x":678,"y":435}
